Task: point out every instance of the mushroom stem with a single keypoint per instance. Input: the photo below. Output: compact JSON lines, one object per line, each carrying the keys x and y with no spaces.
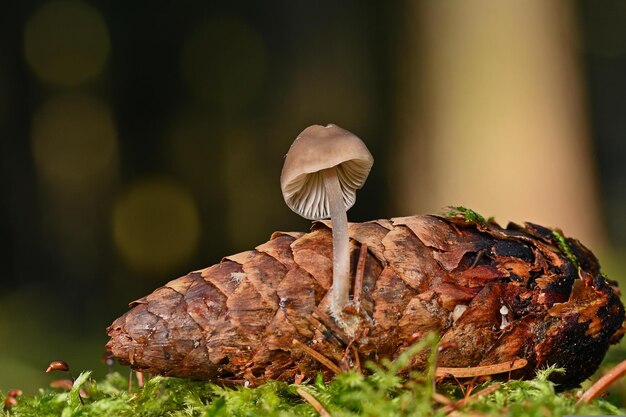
{"x":341,"y":253}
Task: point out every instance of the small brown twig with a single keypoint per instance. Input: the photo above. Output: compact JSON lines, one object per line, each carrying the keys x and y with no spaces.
{"x":348,"y":364}
{"x":441,"y":399}
{"x":358,"y":279}
{"x":140,"y":379}
{"x":489,"y":390}
{"x":479,"y":256}
{"x":603,"y":383}
{"x":317,"y":356}
{"x":475,"y":371}
{"x":357,"y":360}
{"x":461,"y":386}
{"x":313,"y":401}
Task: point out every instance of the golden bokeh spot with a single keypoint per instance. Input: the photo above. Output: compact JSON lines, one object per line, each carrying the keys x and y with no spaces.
{"x":74,"y":141}
{"x":156,"y":226}
{"x":66,"y":42}
{"x":224,"y":61}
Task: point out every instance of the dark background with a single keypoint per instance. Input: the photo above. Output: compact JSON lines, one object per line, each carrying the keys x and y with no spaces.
{"x":142,"y":140}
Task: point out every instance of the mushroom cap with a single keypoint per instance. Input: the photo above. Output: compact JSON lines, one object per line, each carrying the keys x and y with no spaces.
{"x":315,"y":149}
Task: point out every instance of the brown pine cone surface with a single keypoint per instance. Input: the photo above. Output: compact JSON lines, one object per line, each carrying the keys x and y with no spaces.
{"x":496,"y":294}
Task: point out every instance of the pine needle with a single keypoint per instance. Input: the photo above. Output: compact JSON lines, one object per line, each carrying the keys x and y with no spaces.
{"x":318,"y":356}
{"x":603,"y":383}
{"x":485,"y":370}
{"x":314,"y":403}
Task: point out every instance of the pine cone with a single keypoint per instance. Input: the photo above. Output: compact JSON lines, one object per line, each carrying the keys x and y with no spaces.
{"x":496,"y":294}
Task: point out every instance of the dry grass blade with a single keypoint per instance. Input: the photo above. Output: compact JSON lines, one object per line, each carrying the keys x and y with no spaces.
{"x":318,"y":356}
{"x":314,"y":403}
{"x":603,"y":383}
{"x":441,"y":399}
{"x":475,"y":371}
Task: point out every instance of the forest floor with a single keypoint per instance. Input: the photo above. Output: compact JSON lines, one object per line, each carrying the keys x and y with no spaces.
{"x":385,"y":392}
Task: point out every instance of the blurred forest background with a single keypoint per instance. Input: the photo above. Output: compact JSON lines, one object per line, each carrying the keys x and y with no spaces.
{"x":142,"y":140}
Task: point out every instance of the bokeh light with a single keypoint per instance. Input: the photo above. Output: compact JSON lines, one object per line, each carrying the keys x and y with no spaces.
{"x":224,"y":62}
{"x":74,"y":141}
{"x":66,"y":42}
{"x":156,"y":226}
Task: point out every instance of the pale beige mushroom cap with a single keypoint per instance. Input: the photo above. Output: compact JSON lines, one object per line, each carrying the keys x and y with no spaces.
{"x":315,"y":149}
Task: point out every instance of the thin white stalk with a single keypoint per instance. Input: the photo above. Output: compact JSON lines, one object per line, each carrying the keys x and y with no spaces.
{"x":341,"y":253}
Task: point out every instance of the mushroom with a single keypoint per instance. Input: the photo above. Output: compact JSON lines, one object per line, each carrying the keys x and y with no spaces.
{"x":323,"y":169}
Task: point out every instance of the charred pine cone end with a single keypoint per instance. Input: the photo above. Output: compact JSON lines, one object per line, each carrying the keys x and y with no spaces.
{"x":493,"y":294}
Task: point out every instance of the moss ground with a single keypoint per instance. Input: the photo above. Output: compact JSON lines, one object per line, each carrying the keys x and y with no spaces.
{"x":383,"y":394}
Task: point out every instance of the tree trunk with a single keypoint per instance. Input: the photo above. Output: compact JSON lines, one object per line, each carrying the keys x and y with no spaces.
{"x":491,"y":114}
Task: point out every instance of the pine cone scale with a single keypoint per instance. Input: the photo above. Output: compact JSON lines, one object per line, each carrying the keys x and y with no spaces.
{"x":495,"y":294}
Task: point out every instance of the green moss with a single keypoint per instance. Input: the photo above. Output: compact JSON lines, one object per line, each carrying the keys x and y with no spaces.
{"x":384,"y":393}
{"x":469,"y":215}
{"x":564,"y":248}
